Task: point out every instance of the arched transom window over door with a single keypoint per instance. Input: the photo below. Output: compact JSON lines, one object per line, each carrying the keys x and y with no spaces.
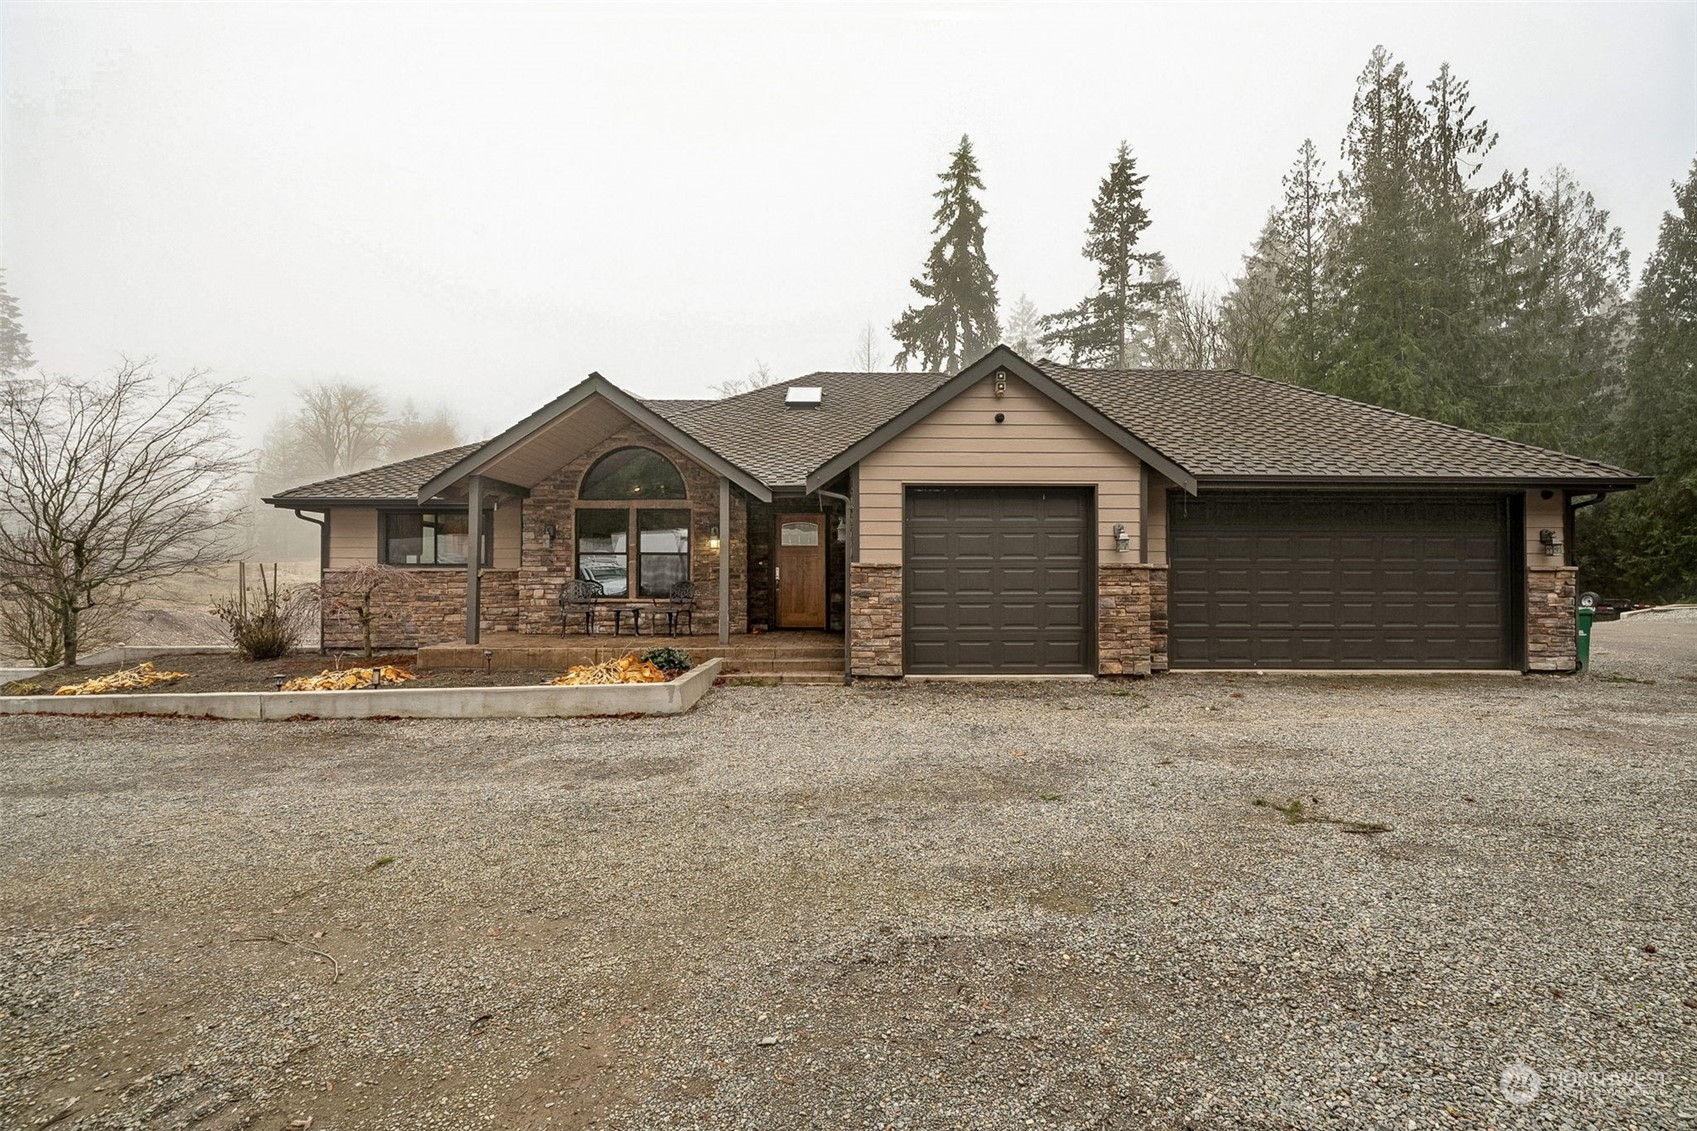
{"x":629,"y":497}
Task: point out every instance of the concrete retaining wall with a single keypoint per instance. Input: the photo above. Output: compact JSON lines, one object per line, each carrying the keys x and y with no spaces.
{"x":672,"y":698}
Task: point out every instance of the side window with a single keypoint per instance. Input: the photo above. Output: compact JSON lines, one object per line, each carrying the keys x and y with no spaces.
{"x":431,"y":538}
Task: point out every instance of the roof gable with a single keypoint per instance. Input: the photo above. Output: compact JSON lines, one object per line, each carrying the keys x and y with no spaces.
{"x":1001,"y":358}
{"x":590,"y":387}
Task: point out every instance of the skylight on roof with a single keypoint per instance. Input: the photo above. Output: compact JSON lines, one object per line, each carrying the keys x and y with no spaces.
{"x":804,"y":395}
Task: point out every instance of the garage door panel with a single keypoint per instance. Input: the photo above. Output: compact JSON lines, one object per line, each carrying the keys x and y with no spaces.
{"x":1340,"y":580}
{"x":1011,"y":589}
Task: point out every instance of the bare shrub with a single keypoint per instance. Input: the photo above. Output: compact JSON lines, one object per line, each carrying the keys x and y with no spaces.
{"x":268,"y":622}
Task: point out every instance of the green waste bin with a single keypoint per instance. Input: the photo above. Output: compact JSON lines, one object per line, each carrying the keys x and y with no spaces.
{"x":1586,"y":612}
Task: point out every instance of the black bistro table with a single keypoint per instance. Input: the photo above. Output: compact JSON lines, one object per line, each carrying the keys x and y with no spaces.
{"x":634,"y":612}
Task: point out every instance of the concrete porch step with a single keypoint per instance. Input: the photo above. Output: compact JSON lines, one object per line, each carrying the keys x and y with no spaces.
{"x":818,"y":678}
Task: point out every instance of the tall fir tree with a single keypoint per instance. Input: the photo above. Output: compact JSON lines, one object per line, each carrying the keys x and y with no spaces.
{"x":956,"y":322}
{"x":1646,"y":543}
{"x":1022,"y":328}
{"x":1255,"y":315}
{"x":1558,"y":348}
{"x":1297,"y":248}
{"x":1374,"y":257}
{"x":1116,"y":325}
{"x":15,"y":353}
{"x":1416,"y":262}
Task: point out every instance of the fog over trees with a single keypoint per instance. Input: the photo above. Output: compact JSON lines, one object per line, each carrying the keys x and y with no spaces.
{"x":1401,"y":261}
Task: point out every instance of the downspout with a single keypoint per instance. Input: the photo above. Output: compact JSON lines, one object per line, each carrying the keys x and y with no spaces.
{"x":323,"y":525}
{"x":1570,"y":533}
{"x":848,"y":586}
{"x":323,"y":539}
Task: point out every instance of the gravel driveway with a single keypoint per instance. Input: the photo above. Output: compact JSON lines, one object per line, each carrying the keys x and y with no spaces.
{"x":1188,"y":902}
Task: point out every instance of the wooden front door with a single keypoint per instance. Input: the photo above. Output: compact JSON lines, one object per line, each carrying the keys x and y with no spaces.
{"x":801,"y":571}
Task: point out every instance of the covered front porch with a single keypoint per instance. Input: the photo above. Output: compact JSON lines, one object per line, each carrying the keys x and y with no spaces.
{"x":775,"y":657}
{"x":628,"y":523}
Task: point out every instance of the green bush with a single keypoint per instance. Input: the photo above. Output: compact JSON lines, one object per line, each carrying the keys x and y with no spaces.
{"x":672,"y":661}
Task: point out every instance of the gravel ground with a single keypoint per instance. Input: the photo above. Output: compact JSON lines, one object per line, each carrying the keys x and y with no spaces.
{"x":935,"y":906}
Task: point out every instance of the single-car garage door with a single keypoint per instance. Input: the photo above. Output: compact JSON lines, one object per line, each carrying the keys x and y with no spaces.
{"x":1261,"y":580}
{"x":999,"y":580}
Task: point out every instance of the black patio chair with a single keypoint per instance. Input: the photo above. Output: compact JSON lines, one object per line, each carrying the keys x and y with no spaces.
{"x":580,"y":597}
{"x":680,"y":605}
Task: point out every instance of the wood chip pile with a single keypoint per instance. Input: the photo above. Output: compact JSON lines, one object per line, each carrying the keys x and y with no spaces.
{"x":129,"y":679}
{"x":626,"y":670}
{"x":350,"y":679}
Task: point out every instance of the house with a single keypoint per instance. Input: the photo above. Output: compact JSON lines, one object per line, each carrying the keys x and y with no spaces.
{"x":1014,"y":518}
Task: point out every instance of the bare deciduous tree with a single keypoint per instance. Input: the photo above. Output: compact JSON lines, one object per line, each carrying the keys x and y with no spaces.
{"x":354,"y":591}
{"x":758,"y":378}
{"x":413,"y":434}
{"x":341,"y":426}
{"x":867,"y":351}
{"x":1188,"y":332}
{"x":110,"y":483}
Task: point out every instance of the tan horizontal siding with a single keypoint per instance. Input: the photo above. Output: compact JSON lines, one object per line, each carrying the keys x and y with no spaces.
{"x":1157,"y":532}
{"x":1545,"y":514}
{"x":509,"y":535}
{"x":1039,"y":443}
{"x":353,"y":536}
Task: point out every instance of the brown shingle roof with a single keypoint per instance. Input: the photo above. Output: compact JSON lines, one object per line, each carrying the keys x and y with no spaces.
{"x":390,"y":483}
{"x":1219,"y":425}
{"x":1223,"y":424}
{"x":779,"y":444}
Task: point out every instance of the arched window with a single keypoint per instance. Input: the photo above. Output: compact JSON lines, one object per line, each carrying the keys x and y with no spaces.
{"x":628,"y":500}
{"x":632,"y":473}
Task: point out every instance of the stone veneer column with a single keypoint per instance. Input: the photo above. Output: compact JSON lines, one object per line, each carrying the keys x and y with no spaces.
{"x":1122,"y":620}
{"x":875,"y":627}
{"x":1551,"y":608}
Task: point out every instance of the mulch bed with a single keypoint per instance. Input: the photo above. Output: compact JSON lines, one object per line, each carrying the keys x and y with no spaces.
{"x":227,"y":672}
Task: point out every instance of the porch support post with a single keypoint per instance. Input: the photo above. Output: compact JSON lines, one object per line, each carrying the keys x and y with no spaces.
{"x":724,"y":553}
{"x":474,"y":555}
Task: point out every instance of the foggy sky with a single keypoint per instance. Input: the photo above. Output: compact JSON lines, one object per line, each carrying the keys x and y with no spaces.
{"x":479,"y":205}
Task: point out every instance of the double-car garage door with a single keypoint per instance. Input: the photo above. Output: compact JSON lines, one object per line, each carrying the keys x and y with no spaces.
{"x":1002,"y":580}
{"x":1315,"y":580}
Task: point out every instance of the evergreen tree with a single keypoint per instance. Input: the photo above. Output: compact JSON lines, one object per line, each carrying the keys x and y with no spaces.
{"x":1116,"y":325}
{"x":1646,"y":542}
{"x":1374,"y":262}
{"x":1255,"y":315}
{"x":1024,"y":325}
{"x":1557,"y":373}
{"x":1416,"y":264}
{"x":956,"y":323}
{"x":15,"y":355}
{"x":1297,"y":247}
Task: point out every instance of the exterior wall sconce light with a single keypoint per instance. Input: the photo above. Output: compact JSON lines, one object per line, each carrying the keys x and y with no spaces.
{"x":1122,"y":540}
{"x":1001,"y":383}
{"x":548,"y":536}
{"x":1551,"y":544}
{"x":713,"y":539}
